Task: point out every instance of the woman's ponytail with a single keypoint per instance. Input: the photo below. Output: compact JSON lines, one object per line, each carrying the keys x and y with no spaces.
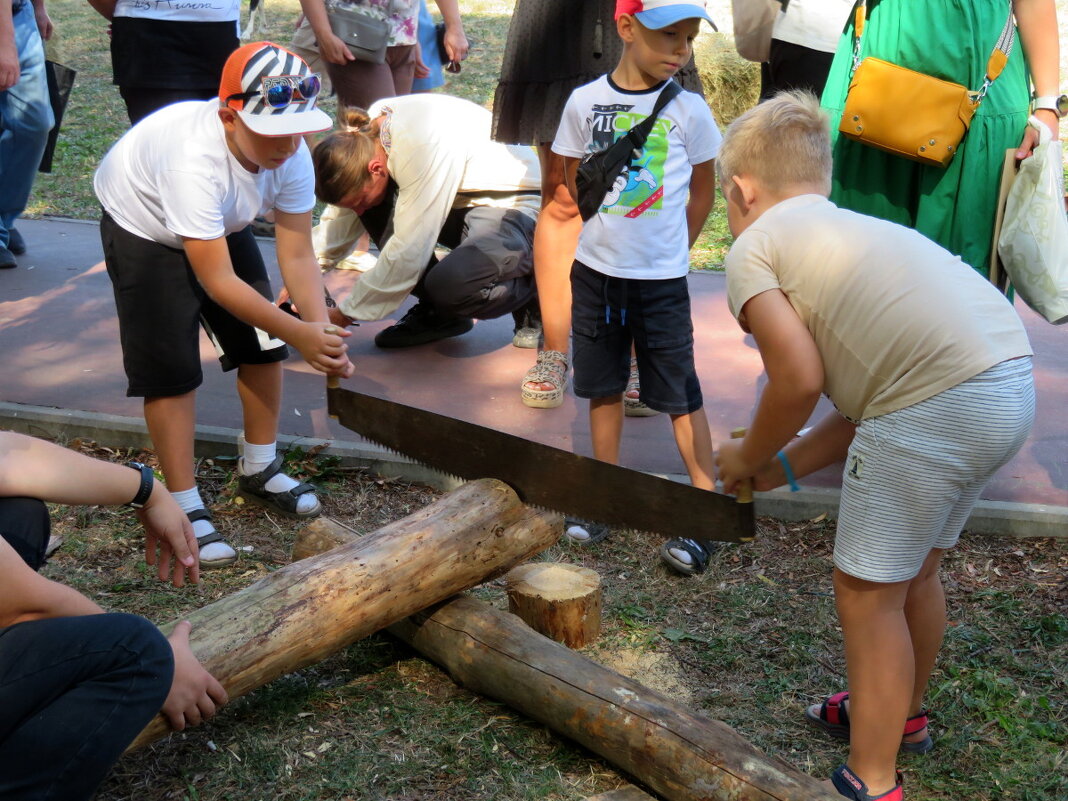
{"x":341,"y":158}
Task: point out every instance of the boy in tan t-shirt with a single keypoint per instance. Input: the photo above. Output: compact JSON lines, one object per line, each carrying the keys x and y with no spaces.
{"x":929,"y":368}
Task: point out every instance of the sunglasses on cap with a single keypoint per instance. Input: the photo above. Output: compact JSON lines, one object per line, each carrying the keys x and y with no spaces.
{"x":278,"y":91}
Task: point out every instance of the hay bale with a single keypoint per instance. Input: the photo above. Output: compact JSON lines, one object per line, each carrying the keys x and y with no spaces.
{"x":731,"y":84}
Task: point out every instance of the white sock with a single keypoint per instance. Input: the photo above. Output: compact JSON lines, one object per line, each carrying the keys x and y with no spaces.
{"x":683,"y":556}
{"x":189,"y":500}
{"x":258,"y":458}
{"x":577,"y":532}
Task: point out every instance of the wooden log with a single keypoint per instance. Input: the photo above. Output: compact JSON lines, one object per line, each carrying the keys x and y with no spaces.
{"x":629,"y":793}
{"x":559,"y":600}
{"x":305,"y":611}
{"x":677,"y":753}
{"x":320,"y":535}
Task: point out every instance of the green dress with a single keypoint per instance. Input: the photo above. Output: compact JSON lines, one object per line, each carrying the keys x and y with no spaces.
{"x":949,"y":39}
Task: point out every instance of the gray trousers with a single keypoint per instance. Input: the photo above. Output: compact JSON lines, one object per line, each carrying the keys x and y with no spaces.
{"x":489,"y":270}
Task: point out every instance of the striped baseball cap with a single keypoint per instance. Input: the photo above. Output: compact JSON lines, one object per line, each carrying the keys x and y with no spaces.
{"x":657,"y":14}
{"x":257,"y":75}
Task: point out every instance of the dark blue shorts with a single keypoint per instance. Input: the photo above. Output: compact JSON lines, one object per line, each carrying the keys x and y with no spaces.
{"x":609,"y":314}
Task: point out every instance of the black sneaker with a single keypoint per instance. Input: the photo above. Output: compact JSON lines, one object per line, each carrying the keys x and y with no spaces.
{"x":421,"y":325}
{"x":7,"y":259}
{"x":15,"y":243}
{"x":527,"y":331}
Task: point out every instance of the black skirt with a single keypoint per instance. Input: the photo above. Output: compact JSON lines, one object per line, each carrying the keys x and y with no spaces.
{"x":553,"y":47}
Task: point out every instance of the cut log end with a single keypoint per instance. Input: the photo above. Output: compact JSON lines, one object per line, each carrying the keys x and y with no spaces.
{"x":559,"y":600}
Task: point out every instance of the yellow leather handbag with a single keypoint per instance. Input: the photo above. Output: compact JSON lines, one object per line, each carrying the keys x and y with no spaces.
{"x":909,"y":113}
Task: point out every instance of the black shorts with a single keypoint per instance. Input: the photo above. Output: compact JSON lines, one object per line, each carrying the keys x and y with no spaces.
{"x":160,"y":303}
{"x":608,"y":314}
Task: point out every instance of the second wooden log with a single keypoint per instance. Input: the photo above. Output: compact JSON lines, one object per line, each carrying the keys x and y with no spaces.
{"x":681,"y":755}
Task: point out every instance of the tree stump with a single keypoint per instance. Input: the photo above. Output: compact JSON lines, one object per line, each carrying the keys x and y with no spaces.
{"x":559,"y":600}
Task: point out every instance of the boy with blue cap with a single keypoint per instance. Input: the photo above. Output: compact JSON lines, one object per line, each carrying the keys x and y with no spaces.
{"x":629,"y":277}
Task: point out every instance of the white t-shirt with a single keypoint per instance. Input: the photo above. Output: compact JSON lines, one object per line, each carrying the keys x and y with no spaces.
{"x":640,"y":230}
{"x":815,"y":24}
{"x":172,"y":176}
{"x":896,"y":317}
{"x":180,"y":10}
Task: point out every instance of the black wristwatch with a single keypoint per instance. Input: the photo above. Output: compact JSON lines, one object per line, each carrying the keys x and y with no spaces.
{"x":147,"y":479}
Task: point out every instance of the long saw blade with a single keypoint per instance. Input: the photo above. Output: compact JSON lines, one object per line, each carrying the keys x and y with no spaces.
{"x":543,"y":475}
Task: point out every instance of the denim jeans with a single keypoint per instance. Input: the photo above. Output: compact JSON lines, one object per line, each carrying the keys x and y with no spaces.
{"x":25,"y":120}
{"x":74,"y":691}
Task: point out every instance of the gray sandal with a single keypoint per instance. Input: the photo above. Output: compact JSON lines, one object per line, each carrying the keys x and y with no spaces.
{"x":208,"y":539}
{"x":253,"y":489}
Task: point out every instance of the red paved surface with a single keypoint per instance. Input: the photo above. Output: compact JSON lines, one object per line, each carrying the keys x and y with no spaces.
{"x":59,"y":340}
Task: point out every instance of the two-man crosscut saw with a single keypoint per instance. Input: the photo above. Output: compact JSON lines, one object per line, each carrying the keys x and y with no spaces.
{"x":542,"y":475}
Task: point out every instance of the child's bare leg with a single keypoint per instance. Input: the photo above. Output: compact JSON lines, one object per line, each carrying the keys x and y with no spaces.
{"x":606,"y":427}
{"x":881,"y":669}
{"x":694,"y":441}
{"x":260,"y":389}
{"x":925,"y":612}
{"x":555,"y":239}
{"x":259,"y":386}
{"x":171,"y":424}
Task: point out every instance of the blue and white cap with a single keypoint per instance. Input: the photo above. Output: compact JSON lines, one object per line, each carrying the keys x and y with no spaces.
{"x":657,"y":14}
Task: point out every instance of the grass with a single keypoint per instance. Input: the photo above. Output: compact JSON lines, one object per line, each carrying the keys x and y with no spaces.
{"x":750,"y":642}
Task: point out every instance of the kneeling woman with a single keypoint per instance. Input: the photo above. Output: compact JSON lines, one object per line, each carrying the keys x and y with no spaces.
{"x":420,"y":171}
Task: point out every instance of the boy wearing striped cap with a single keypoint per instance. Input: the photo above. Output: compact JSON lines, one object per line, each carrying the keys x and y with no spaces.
{"x":929,"y":369}
{"x":173,"y":188}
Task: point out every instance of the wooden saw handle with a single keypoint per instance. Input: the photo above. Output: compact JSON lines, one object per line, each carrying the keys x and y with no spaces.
{"x":745,"y":488}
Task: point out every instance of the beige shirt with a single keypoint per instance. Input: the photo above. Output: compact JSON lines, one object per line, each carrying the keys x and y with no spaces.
{"x":442,"y":157}
{"x":897,"y":318}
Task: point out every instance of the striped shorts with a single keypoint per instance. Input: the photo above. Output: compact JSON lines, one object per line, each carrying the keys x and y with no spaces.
{"x":913,"y":476}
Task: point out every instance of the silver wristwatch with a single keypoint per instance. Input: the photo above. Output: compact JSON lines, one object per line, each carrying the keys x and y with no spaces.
{"x":1058,"y":105}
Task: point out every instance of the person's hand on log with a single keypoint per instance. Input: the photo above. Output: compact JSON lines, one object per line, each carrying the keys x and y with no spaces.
{"x":195,"y":694}
{"x":170,"y":544}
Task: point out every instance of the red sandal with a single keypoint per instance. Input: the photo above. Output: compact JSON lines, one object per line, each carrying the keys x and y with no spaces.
{"x":831,"y":716}
{"x":848,"y":784}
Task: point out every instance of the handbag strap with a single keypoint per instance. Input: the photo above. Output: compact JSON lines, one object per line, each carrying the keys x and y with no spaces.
{"x":999,"y":56}
{"x":640,"y":132}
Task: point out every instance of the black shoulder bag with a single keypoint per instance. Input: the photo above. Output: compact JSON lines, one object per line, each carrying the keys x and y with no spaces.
{"x":598,"y":171}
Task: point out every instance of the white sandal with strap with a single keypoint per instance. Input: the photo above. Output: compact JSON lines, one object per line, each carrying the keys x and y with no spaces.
{"x":550,"y":368}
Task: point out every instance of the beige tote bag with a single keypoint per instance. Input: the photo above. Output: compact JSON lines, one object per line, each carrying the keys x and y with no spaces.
{"x":753,"y":21}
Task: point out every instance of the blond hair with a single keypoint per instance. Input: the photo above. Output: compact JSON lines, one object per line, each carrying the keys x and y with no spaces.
{"x":341,"y":158}
{"x":782,"y":142}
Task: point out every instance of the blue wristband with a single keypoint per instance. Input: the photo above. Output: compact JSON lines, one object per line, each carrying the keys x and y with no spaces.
{"x":789,"y":472}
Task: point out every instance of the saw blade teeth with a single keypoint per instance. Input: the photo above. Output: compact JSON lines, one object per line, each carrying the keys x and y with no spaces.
{"x":408,"y":459}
